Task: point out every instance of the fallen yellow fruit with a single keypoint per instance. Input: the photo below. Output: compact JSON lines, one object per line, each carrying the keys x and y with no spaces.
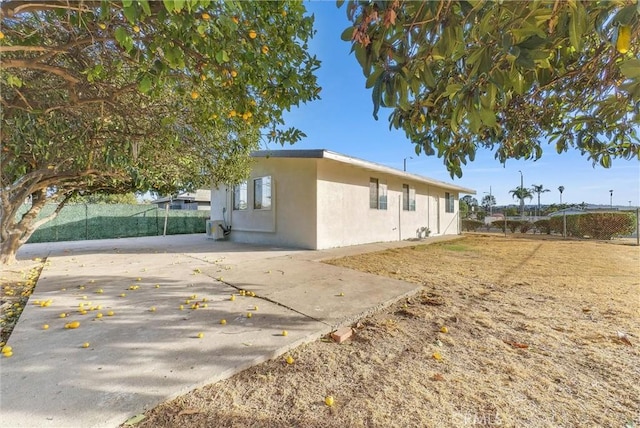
{"x":6,"y":349}
{"x":123,"y":295}
{"x":45,"y":327}
{"x":290,"y":359}
{"x":72,"y":325}
{"x":7,"y":354}
{"x":444,"y":329}
{"x":285,"y":332}
{"x":223,"y":322}
{"x":200,"y":335}
{"x":437,"y":356}
{"x":252,"y":34}
{"x":194,"y":95}
{"x":152,"y":309}
{"x":111,"y":313}
{"x":98,"y":315}
{"x":136,"y":29}
{"x":206,"y":16}
{"x":232,"y":298}
{"x":249,"y":314}
{"x":265,"y":49}
{"x":63,"y":315}
{"x":329,"y":401}
{"x":86,"y":345}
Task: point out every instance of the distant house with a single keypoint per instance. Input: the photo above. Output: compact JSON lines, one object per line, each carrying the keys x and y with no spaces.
{"x":319,"y":199}
{"x":198,"y":200}
{"x":567,"y":211}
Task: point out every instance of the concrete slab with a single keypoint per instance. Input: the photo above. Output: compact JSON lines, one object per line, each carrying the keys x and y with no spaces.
{"x":148,"y":351}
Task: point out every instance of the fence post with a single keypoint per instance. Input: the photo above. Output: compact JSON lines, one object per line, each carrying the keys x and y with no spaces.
{"x":638,"y":227}
{"x":166,"y":217}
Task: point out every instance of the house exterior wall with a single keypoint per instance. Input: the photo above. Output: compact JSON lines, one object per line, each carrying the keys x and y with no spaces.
{"x":345,"y":217}
{"x":291,"y":220}
{"x":324,"y":203}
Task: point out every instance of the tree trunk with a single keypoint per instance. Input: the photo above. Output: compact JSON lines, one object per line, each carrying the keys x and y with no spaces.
{"x":9,"y":247}
{"x":16,"y":233}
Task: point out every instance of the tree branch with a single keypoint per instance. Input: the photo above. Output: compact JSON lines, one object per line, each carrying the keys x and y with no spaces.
{"x":58,"y":71}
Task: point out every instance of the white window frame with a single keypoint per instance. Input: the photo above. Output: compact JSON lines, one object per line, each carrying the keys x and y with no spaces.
{"x":408,"y":198}
{"x":377,"y":200}
{"x":240,"y":190}
{"x":261,"y":200}
{"x":449,"y":206}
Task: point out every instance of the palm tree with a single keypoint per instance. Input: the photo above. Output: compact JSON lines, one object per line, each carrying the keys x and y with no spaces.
{"x":561,"y":189}
{"x":521,"y":193}
{"x":539,"y":189}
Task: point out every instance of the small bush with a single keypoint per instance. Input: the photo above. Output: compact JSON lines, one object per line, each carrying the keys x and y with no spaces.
{"x":471,"y":225}
{"x":543,"y":225}
{"x":499,"y":224}
{"x":596,"y":225}
{"x":522,"y":225}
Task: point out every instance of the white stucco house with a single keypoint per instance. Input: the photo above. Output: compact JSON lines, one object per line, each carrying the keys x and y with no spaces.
{"x":318,"y":199}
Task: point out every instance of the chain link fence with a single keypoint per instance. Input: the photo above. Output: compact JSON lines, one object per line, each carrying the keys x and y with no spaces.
{"x":622,"y":225}
{"x":77,"y":222}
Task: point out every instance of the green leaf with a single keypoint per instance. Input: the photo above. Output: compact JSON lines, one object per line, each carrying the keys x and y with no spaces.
{"x":347,"y":34}
{"x":135,"y":419}
{"x":145,"y":6}
{"x":127,"y":3}
{"x":131,"y":14}
{"x":631,"y":68}
{"x":145,"y":85}
{"x":169,"y":5}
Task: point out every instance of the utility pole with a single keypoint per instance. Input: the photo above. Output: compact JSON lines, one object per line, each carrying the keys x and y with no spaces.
{"x":611,"y":198}
{"x":405,"y":162}
{"x":522,"y":196}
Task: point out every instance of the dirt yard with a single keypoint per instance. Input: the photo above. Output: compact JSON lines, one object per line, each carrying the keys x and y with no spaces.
{"x":507,"y":332}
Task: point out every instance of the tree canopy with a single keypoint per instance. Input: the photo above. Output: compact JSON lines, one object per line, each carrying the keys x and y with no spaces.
{"x":139,"y":95}
{"x":508,"y":76}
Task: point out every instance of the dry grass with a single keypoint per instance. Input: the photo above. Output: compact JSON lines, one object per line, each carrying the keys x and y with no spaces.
{"x":532,"y":341}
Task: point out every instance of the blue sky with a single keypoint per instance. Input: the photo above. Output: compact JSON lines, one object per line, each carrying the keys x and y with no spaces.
{"x":342,"y":121}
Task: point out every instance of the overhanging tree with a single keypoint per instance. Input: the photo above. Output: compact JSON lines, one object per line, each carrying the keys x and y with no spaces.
{"x":504,"y":75}
{"x":139,"y":95}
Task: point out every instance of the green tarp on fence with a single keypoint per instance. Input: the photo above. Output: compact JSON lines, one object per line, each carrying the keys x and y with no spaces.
{"x":101,"y":221}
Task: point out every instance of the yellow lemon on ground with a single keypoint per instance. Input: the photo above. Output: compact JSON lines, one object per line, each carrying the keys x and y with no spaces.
{"x":232,"y":298}
{"x":437,"y":356}
{"x":45,"y":327}
{"x":265,"y":49}
{"x":329,"y":401}
{"x":181,"y":307}
{"x":83,"y":312}
{"x":157,"y":285}
{"x":123,"y":295}
{"x":73,"y":324}
{"x":100,"y":291}
{"x":99,"y":315}
{"x":200,"y":335}
{"x":63,"y":315}
{"x":223,"y":322}
{"x":206,"y":16}
{"x":136,"y":29}
{"x":234,"y":73}
{"x":249,"y":314}
{"x":8,"y":354}
{"x":102,"y":26}
{"x":86,"y":344}
{"x":152,"y":309}
{"x":285,"y":332}
{"x":289,"y":359}
{"x":255,"y":308}
{"x":111,"y":313}
{"x":6,"y":349}
{"x":252,"y":34}
{"x":194,"y":95}
{"x":444,"y":329}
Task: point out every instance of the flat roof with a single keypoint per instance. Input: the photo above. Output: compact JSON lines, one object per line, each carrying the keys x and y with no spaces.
{"x":372,"y":166}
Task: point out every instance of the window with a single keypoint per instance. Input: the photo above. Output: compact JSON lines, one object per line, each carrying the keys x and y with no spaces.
{"x":262,"y":193}
{"x":448,"y":199}
{"x":373,"y":193}
{"x":377,"y":194}
{"x":408,"y":198}
{"x":240,"y":196}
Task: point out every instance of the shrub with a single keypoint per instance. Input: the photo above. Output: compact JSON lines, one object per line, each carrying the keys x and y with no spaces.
{"x":471,"y":225}
{"x":499,"y":224}
{"x":543,"y":225}
{"x":521,"y":225}
{"x":596,"y":225}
